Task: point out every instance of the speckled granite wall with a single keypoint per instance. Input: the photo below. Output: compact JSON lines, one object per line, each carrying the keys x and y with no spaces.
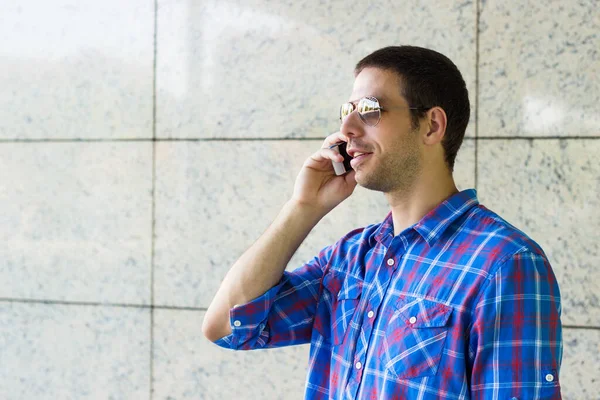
{"x":114,"y":243}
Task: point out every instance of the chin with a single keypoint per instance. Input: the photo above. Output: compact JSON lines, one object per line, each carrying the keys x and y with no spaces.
{"x":369,"y":182}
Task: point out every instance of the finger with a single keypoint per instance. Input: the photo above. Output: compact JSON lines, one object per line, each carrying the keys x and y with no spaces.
{"x":333,"y":139}
{"x":327,"y":154}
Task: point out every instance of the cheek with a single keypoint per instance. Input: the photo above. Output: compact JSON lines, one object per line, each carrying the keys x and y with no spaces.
{"x":402,"y":150}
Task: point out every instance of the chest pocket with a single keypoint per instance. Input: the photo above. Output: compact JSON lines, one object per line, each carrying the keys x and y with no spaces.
{"x":416,"y":337}
{"x":337,"y":306}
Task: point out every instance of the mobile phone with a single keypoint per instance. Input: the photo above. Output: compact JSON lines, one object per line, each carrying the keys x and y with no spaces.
{"x":341,"y":168}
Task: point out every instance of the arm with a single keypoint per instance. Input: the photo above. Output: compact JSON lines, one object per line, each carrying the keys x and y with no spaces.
{"x":260,"y":268}
{"x":516,"y":336}
{"x":284,"y":315}
{"x":316,"y":192}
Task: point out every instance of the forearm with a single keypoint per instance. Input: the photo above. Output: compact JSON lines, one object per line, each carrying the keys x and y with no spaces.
{"x":261,"y":266}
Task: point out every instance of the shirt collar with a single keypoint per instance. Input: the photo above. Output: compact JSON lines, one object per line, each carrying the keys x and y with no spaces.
{"x":384,"y":233}
{"x":433,"y":225}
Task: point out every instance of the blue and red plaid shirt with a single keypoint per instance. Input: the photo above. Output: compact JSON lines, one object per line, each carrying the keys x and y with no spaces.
{"x":461,"y":305}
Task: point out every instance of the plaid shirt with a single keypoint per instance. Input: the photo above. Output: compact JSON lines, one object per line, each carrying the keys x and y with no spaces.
{"x":461,"y":305}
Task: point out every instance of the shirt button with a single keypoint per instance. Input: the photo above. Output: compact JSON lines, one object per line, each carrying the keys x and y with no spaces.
{"x":390,"y":261}
{"x":412,"y":320}
{"x":549,"y":377}
{"x":358,"y":365}
{"x":237,"y":323}
{"x":370,"y":314}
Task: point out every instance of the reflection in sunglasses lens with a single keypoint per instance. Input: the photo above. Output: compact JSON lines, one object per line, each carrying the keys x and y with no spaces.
{"x":368,"y":110}
{"x":345,"y":110}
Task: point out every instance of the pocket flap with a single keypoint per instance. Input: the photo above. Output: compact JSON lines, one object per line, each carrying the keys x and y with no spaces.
{"x":343,"y":286}
{"x":422,"y":313}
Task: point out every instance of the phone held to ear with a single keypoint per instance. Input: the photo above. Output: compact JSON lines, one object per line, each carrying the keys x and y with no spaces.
{"x":341,"y":168}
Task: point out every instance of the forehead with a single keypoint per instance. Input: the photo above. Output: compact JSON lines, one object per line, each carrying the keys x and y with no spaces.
{"x":382,"y":84}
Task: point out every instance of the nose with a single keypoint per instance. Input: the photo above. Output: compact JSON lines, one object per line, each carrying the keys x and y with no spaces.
{"x":352,"y":126}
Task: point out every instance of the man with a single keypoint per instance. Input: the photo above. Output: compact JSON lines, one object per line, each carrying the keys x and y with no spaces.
{"x":442,"y":300}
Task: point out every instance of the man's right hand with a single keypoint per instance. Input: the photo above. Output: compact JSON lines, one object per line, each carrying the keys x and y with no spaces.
{"x":317,"y":186}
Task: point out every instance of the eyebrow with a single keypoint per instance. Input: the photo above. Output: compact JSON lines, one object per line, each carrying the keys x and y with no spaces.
{"x":381,"y":98}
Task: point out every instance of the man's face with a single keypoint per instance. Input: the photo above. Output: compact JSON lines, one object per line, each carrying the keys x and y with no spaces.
{"x":396,"y":157}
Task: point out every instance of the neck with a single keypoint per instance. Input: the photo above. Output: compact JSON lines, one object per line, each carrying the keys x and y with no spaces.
{"x":426,"y":193}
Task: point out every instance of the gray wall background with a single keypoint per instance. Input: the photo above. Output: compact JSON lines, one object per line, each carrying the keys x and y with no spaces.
{"x":144,"y":146}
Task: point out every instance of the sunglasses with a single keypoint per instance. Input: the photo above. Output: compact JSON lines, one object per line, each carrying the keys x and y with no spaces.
{"x":369,"y":110}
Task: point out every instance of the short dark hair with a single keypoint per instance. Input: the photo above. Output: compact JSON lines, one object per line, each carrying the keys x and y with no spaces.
{"x":428,"y":79}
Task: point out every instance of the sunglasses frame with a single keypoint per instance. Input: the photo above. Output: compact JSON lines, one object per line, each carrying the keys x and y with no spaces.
{"x":379,"y":108}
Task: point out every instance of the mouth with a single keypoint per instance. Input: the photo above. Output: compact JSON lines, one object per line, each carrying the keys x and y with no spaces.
{"x":358,"y":159}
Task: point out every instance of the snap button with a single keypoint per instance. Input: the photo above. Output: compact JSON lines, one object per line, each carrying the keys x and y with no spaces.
{"x":237,"y":323}
{"x":390,"y":261}
{"x":370,"y":314}
{"x":358,"y":365}
{"x":549,"y":377}
{"x":412,"y":320}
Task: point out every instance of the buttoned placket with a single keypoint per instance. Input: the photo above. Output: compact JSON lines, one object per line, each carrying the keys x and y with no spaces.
{"x":384,"y":275}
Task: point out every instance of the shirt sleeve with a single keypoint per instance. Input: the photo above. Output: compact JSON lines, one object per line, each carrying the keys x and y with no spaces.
{"x":284,"y":315}
{"x":516,"y":336}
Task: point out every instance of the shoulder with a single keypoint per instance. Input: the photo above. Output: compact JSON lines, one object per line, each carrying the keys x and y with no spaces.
{"x":511,"y":254}
{"x":358,"y":237}
{"x":496,"y":233}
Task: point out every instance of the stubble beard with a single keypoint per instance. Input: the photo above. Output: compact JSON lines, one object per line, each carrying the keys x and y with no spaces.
{"x":395,"y":171}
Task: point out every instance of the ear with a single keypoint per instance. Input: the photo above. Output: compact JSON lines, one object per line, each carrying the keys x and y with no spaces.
{"x":436,"y":126}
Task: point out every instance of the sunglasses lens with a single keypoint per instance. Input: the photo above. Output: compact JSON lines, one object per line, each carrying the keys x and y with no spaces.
{"x":345,"y":110}
{"x":368,"y":109}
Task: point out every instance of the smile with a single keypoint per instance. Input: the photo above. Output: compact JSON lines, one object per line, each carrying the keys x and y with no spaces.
{"x":359,"y":159}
